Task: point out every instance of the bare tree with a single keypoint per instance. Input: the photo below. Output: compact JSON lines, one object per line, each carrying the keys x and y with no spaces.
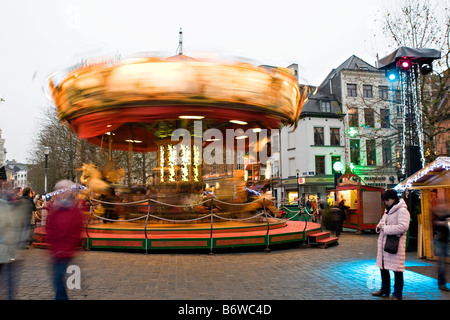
{"x":417,"y":24}
{"x":68,"y":153}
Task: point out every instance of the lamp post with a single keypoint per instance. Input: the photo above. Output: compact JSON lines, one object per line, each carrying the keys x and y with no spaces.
{"x":46,"y":152}
{"x":298,"y":188}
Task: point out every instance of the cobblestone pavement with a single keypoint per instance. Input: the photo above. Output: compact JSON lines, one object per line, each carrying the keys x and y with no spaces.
{"x":343,"y":272}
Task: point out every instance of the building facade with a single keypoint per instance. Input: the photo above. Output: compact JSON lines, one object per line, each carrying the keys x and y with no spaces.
{"x":2,"y":150}
{"x":309,"y":152}
{"x":371,"y":120}
{"x":351,"y":119}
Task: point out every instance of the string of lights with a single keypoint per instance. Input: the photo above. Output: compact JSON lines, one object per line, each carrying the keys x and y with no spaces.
{"x":417,"y":106}
{"x":403,"y":109}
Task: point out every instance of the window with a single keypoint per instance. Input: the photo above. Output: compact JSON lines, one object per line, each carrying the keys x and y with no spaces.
{"x":354,"y":151}
{"x":397,"y":96}
{"x":325,"y":106}
{"x":351,"y":90}
{"x":368,"y":117}
{"x":353,"y":117}
{"x":240,"y":160}
{"x":291,"y":140}
{"x":367,"y":91}
{"x":371,"y":152}
{"x":320,"y":164}
{"x":292,"y":167}
{"x":318,"y":136}
{"x":333,"y":160}
{"x":274,"y":143}
{"x":335,"y":138}
{"x":383,"y":92}
{"x":384,"y":117}
{"x":387,"y":152}
{"x":276,"y":168}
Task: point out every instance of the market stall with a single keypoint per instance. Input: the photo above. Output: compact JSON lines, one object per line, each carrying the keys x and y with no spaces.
{"x":433,"y":182}
{"x":364,"y":202}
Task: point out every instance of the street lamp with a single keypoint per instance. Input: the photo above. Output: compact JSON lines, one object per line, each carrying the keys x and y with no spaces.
{"x":46,"y":152}
{"x":298,"y":188}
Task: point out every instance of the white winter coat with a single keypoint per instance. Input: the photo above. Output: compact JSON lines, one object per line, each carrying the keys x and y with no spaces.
{"x":395,"y":222}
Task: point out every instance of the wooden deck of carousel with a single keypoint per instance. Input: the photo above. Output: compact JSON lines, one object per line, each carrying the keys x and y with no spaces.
{"x":137,"y":236}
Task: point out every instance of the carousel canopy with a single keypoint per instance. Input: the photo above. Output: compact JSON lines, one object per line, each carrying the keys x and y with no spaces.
{"x":139,"y":100}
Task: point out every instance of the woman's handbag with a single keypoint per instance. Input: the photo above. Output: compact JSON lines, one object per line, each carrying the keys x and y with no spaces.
{"x":391,"y":244}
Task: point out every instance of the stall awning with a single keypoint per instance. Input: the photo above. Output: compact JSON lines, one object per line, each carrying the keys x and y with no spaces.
{"x":434,"y":175}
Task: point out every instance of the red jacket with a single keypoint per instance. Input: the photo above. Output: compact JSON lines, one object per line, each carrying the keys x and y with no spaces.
{"x":64,"y":226}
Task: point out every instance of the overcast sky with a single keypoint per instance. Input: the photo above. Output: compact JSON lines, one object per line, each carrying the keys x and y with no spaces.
{"x":40,"y":37}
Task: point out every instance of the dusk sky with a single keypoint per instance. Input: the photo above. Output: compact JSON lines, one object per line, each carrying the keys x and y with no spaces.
{"x":40,"y":37}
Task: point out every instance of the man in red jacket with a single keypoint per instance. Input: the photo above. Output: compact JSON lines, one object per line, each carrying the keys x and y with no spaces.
{"x":64,"y":226}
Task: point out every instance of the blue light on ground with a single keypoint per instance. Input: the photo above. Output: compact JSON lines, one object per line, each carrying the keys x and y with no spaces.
{"x":363,"y":276}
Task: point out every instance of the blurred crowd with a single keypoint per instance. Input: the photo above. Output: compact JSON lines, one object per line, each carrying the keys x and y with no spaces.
{"x":19,"y":214}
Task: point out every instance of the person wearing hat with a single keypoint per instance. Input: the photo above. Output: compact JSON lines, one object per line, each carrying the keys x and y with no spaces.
{"x":395,"y":221}
{"x":64,"y":227}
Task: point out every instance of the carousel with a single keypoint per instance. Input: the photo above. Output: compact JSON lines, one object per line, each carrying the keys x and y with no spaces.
{"x":200,"y":116}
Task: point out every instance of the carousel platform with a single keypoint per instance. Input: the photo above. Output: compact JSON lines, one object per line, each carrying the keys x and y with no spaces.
{"x":137,"y":236}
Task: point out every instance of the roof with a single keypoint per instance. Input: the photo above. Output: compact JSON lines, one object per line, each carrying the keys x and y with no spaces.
{"x":434,"y":175}
{"x":352,"y":63}
{"x":312,"y":106}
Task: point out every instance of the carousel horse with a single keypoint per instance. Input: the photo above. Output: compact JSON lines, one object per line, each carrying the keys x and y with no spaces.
{"x":92,"y":178}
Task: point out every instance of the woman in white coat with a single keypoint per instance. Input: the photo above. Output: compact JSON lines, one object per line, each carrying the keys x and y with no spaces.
{"x":395,"y":221}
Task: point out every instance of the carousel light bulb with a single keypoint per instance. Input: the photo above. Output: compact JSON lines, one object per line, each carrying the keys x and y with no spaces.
{"x":238,"y":122}
{"x":192,"y":117}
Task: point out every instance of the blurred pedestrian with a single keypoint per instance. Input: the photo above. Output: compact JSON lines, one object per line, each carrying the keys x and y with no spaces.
{"x":64,"y":226}
{"x":338,"y":216}
{"x":395,"y":221}
{"x":322,"y":205}
{"x":441,"y":218}
{"x":29,"y":208}
{"x":11,"y":221}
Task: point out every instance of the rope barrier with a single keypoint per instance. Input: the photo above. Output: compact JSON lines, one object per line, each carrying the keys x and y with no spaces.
{"x":236,"y":219}
{"x":211,"y":215}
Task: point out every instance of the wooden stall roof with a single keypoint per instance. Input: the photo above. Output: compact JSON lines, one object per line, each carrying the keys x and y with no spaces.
{"x":434,"y":175}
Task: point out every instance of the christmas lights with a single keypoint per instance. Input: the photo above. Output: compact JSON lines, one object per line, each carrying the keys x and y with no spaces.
{"x":403,"y":109}
{"x":171,"y":161}
{"x":196,"y":163}
{"x":161,"y":162}
{"x":417,"y":105}
{"x":185,"y":162}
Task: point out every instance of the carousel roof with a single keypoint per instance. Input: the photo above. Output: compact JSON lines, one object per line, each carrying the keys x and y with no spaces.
{"x":434,"y":175}
{"x":135,"y":100}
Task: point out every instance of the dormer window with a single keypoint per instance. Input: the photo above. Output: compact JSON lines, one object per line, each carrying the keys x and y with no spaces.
{"x":325,"y":106}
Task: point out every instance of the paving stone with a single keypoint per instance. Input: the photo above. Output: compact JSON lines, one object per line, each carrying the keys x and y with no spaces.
{"x":343,"y":272}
